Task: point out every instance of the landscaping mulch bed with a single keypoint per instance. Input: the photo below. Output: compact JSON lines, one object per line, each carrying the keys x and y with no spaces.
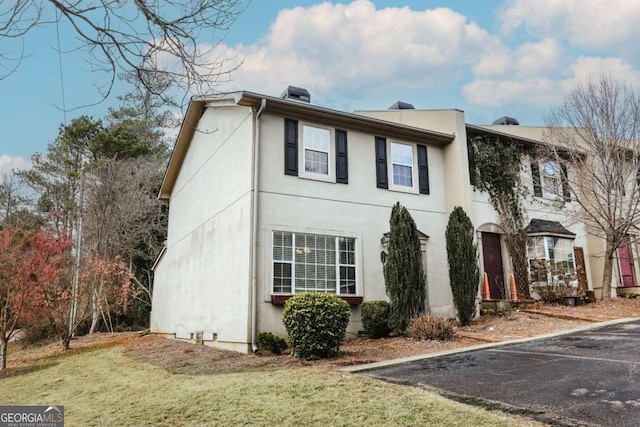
{"x":185,"y":358}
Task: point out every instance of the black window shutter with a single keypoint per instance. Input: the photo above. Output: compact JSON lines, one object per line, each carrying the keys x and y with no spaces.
{"x":291,"y":147}
{"x":564,"y":178}
{"x":423,"y":169}
{"x":342,"y":163}
{"x":381,"y":162}
{"x":471,"y":157}
{"x":537,"y":184}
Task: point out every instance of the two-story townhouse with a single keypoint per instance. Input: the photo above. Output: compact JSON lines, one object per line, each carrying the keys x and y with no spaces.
{"x":270,"y":197}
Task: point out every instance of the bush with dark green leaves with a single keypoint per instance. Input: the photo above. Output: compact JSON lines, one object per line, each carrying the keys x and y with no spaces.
{"x":316,"y":324}
{"x":375,"y":318}
{"x":268,"y":342}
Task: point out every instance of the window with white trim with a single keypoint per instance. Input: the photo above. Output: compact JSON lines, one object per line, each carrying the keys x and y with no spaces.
{"x":305,"y":262}
{"x":402,"y":164}
{"x":550,"y":177}
{"x":551,"y":260}
{"x":317,"y":143}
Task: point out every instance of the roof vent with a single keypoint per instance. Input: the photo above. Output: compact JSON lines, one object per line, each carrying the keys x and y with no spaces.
{"x":506,"y":121}
{"x":402,"y":106}
{"x":296,"y":93}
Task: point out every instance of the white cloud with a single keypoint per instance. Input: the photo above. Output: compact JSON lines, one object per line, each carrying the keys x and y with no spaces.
{"x":584,"y":23}
{"x":530,"y":59}
{"x":353,"y":48}
{"x":8,"y":164}
{"x":495,"y":92}
{"x":585,"y":68}
{"x":539,"y":58}
{"x":545,"y":91}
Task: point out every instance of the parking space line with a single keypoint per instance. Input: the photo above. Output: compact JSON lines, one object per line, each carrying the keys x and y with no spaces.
{"x":566,"y":356}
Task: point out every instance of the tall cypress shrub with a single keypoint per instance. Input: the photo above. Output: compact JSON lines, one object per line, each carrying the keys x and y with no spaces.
{"x":462,"y":254}
{"x":403,"y":273}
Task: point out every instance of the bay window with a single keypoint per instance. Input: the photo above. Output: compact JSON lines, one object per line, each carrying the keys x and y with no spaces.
{"x":551,"y":261}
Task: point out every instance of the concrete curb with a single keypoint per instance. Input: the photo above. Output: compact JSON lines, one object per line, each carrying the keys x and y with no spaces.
{"x":393,"y":362}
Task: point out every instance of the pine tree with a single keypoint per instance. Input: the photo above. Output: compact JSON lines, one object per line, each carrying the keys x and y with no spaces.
{"x":462,"y":254}
{"x":403,"y":273}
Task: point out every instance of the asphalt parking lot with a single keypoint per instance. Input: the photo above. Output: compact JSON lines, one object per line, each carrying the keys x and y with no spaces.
{"x":588,"y":378}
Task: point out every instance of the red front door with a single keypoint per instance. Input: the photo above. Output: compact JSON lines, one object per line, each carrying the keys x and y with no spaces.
{"x":626,"y":263}
{"x":492,"y":255}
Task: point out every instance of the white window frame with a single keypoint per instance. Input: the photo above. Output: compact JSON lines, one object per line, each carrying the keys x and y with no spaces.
{"x":548,"y":243}
{"x":305,"y":145}
{"x":545,"y":178}
{"x":414,"y":188}
{"x":337,"y":288}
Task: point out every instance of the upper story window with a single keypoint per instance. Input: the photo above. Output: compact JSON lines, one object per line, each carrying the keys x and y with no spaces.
{"x":323,"y":153}
{"x":317,"y":142}
{"x":402,"y":164}
{"x":405,"y":165}
{"x":550,"y":177}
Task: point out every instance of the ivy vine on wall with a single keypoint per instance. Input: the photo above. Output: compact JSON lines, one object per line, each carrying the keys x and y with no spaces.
{"x":495,"y":165}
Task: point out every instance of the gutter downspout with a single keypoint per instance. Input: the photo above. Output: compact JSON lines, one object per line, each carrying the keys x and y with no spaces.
{"x":254,"y":232}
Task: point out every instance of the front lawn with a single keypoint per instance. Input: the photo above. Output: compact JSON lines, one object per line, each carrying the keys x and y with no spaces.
{"x":105,"y":387}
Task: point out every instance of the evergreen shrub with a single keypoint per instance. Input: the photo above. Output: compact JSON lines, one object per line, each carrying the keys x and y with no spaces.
{"x":375,"y":318}
{"x":403,"y":273}
{"x":316,"y":323}
{"x":462,"y":255}
{"x":269,"y":342}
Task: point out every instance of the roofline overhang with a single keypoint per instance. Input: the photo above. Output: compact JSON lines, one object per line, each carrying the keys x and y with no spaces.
{"x":163,"y":250}
{"x":533,"y":144}
{"x":571,"y":236}
{"x":286,"y":107}
{"x":527,"y":142}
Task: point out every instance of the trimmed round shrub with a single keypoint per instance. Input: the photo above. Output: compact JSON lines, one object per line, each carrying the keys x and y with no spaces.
{"x":268,"y":342}
{"x":316,"y":324}
{"x":375,"y":318}
{"x":428,"y":327}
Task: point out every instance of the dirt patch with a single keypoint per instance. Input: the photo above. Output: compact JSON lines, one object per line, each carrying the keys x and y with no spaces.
{"x":185,"y":358}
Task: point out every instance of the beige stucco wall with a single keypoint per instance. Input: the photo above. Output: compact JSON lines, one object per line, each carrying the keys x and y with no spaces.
{"x":357,"y":209}
{"x":202,"y":282}
{"x":454,"y":155}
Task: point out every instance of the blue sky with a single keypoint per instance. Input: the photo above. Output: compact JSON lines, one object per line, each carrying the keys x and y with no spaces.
{"x":489,"y":58}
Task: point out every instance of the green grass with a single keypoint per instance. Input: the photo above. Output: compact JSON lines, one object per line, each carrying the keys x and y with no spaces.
{"x":103,"y":387}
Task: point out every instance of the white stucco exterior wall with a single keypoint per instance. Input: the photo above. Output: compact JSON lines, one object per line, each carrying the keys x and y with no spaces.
{"x":202,"y":283}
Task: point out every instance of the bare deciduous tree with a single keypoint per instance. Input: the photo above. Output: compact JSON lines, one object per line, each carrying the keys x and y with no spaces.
{"x":596,"y":133}
{"x":123,"y":216}
{"x":144,"y":38}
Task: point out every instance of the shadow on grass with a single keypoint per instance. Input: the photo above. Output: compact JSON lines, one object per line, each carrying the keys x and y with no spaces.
{"x":21,"y":370}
